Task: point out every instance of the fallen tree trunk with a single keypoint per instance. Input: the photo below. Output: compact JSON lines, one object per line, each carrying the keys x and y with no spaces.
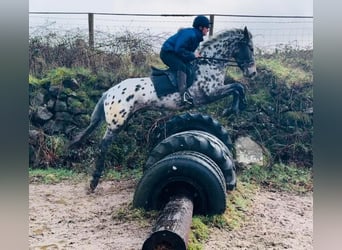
{"x":172,"y":228}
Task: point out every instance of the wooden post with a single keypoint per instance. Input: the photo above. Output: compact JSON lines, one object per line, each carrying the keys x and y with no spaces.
{"x":91,"y":29}
{"x":211,"y":31}
{"x":173,"y":225}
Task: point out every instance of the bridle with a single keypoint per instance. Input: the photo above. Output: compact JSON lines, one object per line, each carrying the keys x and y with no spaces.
{"x":233,"y":63}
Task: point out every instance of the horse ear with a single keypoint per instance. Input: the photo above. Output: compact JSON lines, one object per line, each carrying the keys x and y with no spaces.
{"x":245,"y":32}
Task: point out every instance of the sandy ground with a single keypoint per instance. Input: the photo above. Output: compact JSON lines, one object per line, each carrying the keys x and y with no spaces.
{"x":63,"y":216}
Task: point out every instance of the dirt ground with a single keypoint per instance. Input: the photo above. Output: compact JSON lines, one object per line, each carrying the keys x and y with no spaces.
{"x":63,"y":216}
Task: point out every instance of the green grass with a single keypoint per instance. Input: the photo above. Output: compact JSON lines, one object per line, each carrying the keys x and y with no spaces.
{"x":113,"y":174}
{"x":53,"y":175}
{"x":280,"y":177}
{"x":56,"y":175}
{"x":285,"y":72}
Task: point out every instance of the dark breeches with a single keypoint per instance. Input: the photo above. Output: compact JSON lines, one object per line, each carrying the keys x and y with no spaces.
{"x":175,"y":62}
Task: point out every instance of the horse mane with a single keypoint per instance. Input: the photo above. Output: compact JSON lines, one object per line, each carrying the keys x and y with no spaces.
{"x":224,"y":34}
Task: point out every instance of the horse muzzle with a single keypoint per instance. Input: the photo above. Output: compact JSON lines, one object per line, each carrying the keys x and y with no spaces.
{"x":250,"y":71}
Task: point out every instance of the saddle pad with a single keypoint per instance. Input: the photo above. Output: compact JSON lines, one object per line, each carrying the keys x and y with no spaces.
{"x":163,"y":85}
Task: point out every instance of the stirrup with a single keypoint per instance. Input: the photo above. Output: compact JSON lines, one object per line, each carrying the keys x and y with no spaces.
{"x":187,"y":98}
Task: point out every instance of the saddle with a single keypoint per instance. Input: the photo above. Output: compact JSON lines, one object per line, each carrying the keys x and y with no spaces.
{"x":165,"y":81}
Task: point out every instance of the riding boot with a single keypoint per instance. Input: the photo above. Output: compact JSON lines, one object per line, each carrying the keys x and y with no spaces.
{"x":181,"y":81}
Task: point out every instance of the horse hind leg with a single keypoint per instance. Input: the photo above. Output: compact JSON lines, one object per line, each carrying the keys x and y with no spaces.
{"x":100,"y":161}
{"x":97,"y":117}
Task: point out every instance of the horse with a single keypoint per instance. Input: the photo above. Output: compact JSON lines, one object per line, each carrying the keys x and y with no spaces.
{"x":121,"y":101}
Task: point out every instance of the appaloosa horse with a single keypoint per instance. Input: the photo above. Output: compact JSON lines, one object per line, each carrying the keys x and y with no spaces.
{"x":118,"y":103}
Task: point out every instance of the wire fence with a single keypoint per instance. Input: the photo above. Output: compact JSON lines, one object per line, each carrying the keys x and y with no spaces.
{"x":269,"y":32}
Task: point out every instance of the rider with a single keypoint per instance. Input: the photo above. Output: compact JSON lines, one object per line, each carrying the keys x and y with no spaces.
{"x":179,"y":50}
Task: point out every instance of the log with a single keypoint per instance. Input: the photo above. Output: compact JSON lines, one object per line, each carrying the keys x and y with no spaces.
{"x":172,"y":228}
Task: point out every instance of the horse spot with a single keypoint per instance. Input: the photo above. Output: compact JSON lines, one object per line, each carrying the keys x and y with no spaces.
{"x":115,"y":115}
{"x":112,"y":102}
{"x":137,"y":88}
{"x":114,"y":121}
{"x":143,"y":94}
{"x":113,"y":97}
{"x":130,"y":97}
{"x":123,"y":92}
{"x":142,"y":80}
{"x":122,"y":111}
{"x":119,"y":101}
{"x":142,"y":88}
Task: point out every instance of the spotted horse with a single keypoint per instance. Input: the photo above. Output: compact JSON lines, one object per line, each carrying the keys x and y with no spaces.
{"x":122,"y":100}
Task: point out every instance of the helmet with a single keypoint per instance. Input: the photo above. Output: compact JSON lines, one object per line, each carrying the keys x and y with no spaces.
{"x":201,"y":21}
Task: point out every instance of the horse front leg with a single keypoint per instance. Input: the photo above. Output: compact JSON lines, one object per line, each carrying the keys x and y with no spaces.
{"x":239,"y":99}
{"x":235,"y":107}
{"x":100,"y":161}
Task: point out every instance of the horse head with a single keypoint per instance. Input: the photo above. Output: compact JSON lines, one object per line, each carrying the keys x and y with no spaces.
{"x":244,"y":55}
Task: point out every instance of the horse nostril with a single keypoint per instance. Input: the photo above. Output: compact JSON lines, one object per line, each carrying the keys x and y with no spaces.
{"x":254,"y":74}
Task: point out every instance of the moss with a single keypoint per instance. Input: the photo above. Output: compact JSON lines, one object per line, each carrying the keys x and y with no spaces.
{"x":284,"y":72}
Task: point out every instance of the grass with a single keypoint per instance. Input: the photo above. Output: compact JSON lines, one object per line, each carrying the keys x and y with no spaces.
{"x":285,"y":72}
{"x":56,"y":175}
{"x":53,"y":175}
{"x":280,"y":177}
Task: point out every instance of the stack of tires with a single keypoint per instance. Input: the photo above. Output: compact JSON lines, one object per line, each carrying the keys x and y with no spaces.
{"x":192,"y":157}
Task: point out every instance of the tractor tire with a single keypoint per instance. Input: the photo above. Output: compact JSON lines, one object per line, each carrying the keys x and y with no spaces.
{"x":185,"y":172}
{"x":199,"y":141}
{"x":190,"y":121}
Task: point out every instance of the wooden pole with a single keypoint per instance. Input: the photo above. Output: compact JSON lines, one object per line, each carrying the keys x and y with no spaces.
{"x":91,"y":29}
{"x":173,"y":226}
{"x":211,"y":31}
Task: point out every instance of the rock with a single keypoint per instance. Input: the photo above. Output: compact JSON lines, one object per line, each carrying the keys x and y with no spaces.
{"x":60,"y":106}
{"x":37,"y":100}
{"x":71,"y":84}
{"x":55,"y":90}
{"x":248,"y":152}
{"x":43,"y":114}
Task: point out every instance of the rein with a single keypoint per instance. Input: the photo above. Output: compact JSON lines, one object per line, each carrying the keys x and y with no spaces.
{"x":234,"y":64}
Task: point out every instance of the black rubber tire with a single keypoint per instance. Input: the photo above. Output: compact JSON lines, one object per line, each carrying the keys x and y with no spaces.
{"x":189,"y":121}
{"x":199,"y":141}
{"x":185,"y":172}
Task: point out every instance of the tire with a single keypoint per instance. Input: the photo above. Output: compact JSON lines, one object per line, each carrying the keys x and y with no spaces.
{"x":185,"y":172}
{"x":190,"y":121}
{"x":199,"y":141}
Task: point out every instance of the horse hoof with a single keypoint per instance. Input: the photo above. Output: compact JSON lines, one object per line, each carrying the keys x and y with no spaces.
{"x":93,"y":185}
{"x":89,"y":190}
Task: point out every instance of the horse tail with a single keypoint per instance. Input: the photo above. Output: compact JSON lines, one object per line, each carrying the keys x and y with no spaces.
{"x":97,"y":117}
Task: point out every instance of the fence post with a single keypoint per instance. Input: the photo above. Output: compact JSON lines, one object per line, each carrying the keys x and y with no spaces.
{"x":91,"y":29}
{"x":211,"y":31}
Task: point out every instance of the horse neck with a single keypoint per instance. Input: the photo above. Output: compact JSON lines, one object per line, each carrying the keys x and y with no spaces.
{"x":222,"y":45}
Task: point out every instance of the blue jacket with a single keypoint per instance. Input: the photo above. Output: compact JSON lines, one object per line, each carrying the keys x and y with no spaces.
{"x":184,"y":43}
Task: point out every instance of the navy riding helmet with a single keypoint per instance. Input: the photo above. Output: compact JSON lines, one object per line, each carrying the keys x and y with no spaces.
{"x":201,"y":21}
